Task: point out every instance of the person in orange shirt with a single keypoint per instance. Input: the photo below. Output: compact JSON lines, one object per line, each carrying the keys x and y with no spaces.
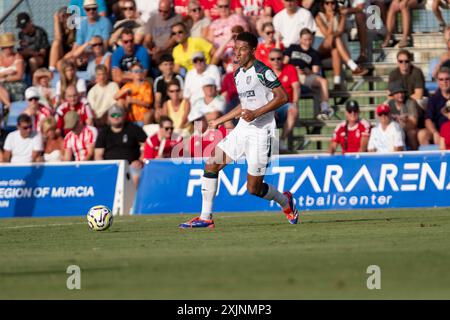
{"x":136,"y":97}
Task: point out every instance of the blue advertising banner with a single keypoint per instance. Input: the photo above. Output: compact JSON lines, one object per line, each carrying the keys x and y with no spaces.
{"x":68,"y":189}
{"x":319,"y":182}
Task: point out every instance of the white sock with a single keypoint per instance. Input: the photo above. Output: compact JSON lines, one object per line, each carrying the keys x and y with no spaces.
{"x":324,"y":106}
{"x":209,"y":189}
{"x":352,"y":65}
{"x":337,"y":79}
{"x":274,"y":194}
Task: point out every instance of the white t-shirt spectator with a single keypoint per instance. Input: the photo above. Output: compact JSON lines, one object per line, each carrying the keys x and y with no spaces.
{"x":201,"y":107}
{"x":290,"y":26}
{"x":193,"y":89}
{"x":102,"y":98}
{"x":147,"y":8}
{"x":386,"y":140}
{"x":22,"y":148}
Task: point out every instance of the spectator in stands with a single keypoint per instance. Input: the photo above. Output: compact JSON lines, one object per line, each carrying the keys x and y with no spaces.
{"x":287,"y":114}
{"x":73,"y":102}
{"x":193,"y":84}
{"x":411,"y":76}
{"x":121,"y":140}
{"x":308,"y":64}
{"x":64,"y":37}
{"x":41,"y":81}
{"x":12,"y":68}
{"x":444,"y":141}
{"x":357,"y":8}
{"x":125,"y":56}
{"x":93,"y":25}
{"x":353,"y":134}
{"x":387,"y":136}
{"x":331,"y":27}
{"x":136,"y":97}
{"x":177,"y":109}
{"x":225,"y":54}
{"x":211,"y":101}
{"x":36,"y":110}
{"x":200,"y":22}
{"x":34,"y":45}
{"x":101,"y":96}
{"x":168,"y":75}
{"x":406,"y":112}
{"x":96,"y":55}
{"x":229,"y":90}
{"x":69,"y":78}
{"x":434,"y":118}
{"x":405,"y":7}
{"x":187,"y":46}
{"x":146,"y":9}
{"x":220,"y":29}
{"x":204,"y":139}
{"x":272,"y":7}
{"x":79,"y":142}
{"x":270,"y":41}
{"x":52,"y":140}
{"x":23,"y":145}
{"x":81,"y":4}
{"x":212,"y":9}
{"x":5,"y":102}
{"x":157,"y":30}
{"x":436,"y":7}
{"x":291,"y":21}
{"x":161,"y":144}
{"x":131,"y":21}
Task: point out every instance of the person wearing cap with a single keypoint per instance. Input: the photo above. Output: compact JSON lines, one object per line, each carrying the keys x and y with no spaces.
{"x":79,"y":142}
{"x":177,"y":109}
{"x":406,"y":112}
{"x":23,"y":145}
{"x":212,"y":101}
{"x":92,"y":25}
{"x":444,"y":142}
{"x":187,"y":46}
{"x":387,"y":135}
{"x":42,"y":82}
{"x":121,"y":140}
{"x":34,"y":44}
{"x":161,"y":144}
{"x":193,"y":89}
{"x":35,"y":109}
{"x":12,"y":68}
{"x":434,"y":118}
{"x":102,"y":9}
{"x":74,"y":103}
{"x":353,"y":134}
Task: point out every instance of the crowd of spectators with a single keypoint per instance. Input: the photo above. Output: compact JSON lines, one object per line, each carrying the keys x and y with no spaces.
{"x":133,"y":78}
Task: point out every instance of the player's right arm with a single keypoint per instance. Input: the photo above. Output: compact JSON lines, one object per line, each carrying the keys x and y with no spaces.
{"x":233,"y":114}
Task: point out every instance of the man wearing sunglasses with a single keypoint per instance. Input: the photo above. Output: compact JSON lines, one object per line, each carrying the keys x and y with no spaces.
{"x":387,"y":136}
{"x":161,"y":144}
{"x":93,"y":25}
{"x":23,"y":145}
{"x":411,"y":77}
{"x":34,"y":109}
{"x":102,"y":9}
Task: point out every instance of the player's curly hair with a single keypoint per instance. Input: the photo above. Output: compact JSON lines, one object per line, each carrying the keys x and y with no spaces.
{"x":248,"y":37}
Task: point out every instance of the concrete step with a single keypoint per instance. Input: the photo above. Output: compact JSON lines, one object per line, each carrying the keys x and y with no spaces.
{"x":424,"y":38}
{"x":328,"y":123}
{"x":353,"y":94}
{"x":318,"y":137}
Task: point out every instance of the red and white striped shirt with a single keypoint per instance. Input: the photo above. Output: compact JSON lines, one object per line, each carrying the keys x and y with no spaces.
{"x":83,"y":108}
{"x":79,"y":144}
{"x":41,"y":113}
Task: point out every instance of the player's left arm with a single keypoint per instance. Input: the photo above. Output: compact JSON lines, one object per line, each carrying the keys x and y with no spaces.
{"x":280,"y":98}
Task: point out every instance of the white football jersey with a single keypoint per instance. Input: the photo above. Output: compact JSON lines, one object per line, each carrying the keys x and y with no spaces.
{"x":254,"y":87}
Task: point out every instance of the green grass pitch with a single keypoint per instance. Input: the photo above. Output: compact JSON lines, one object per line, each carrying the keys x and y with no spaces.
{"x":248,"y":256}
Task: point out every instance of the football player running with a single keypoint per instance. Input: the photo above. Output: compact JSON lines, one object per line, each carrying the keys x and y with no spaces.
{"x":260,"y":93}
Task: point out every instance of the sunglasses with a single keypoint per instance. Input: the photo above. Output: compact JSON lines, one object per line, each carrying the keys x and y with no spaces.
{"x":196,"y":9}
{"x":116,"y":115}
{"x":128,"y":9}
{"x":90,"y":9}
{"x":97,"y":44}
{"x":353,"y":111}
{"x":444,"y":79}
{"x":403,"y":61}
{"x":127,"y":41}
{"x":168,"y":128}
{"x":33,"y":99}
{"x":26,"y":127}
{"x":383,"y":114}
{"x":164,"y":11}
{"x":225,"y":6}
{"x":276,"y":59}
{"x":198,"y":60}
{"x":270,"y":32}
{"x":177,"y":32}
{"x":174,"y":91}
{"x":137,"y":71}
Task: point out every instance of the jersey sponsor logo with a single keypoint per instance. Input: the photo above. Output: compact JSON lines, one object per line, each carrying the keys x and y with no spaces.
{"x":270,"y":75}
{"x":248,"y":80}
{"x":247,"y":94}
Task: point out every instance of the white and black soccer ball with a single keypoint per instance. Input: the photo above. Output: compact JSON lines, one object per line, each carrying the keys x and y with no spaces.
{"x":99,"y":218}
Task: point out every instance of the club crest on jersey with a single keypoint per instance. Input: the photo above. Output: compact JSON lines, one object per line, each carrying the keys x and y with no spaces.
{"x":248,"y":79}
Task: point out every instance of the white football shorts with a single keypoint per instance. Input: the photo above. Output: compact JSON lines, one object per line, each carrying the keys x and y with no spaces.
{"x":255,"y":144}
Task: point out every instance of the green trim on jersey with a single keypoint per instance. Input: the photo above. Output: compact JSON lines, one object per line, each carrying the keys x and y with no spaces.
{"x":261,"y":70}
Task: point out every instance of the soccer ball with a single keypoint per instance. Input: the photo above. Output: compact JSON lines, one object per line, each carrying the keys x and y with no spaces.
{"x":99,"y":218}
